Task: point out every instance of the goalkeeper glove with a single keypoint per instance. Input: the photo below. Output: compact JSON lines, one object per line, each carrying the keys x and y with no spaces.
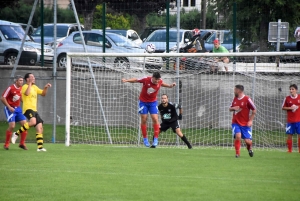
{"x":180,"y":117}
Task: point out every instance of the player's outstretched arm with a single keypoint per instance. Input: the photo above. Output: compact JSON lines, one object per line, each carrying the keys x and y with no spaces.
{"x":131,"y":80}
{"x":45,"y":90}
{"x":168,"y":85}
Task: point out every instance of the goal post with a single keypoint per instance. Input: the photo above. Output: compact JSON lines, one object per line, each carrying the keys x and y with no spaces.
{"x":205,"y":91}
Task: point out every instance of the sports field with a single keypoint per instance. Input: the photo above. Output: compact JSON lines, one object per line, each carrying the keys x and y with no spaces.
{"x":86,"y":172}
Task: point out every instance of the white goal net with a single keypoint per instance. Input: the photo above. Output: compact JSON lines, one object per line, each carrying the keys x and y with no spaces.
{"x":103,"y":110}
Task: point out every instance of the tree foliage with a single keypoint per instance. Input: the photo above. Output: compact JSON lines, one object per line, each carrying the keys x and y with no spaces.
{"x":114,"y":21}
{"x":21,"y":13}
{"x":253,"y":17}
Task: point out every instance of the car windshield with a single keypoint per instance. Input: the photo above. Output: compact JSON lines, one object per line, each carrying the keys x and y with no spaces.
{"x":120,"y":32}
{"x":61,"y":31}
{"x":11,"y":32}
{"x":121,"y":41}
{"x":160,"y":36}
{"x":228,"y":38}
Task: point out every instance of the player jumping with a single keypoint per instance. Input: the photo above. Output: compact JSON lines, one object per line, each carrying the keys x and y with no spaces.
{"x":170,"y":119}
{"x":30,"y":93}
{"x":291,"y":105}
{"x":11,"y":99}
{"x":242,"y":120}
{"x":148,"y":103}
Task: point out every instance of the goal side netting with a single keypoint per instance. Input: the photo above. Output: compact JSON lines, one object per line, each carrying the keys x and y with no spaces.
{"x":102,"y":110}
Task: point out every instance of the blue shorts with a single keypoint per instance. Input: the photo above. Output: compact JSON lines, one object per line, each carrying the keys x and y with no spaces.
{"x":246,"y":131}
{"x":15,"y":116}
{"x":292,"y":128}
{"x":150,"y":107}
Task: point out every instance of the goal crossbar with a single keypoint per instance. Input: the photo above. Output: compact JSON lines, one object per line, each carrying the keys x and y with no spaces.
{"x":236,"y":54}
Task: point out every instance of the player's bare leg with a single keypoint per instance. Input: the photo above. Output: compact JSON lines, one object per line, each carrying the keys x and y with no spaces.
{"x":156,"y":130}
{"x":183,"y":138}
{"x":237,"y":144}
{"x":226,"y":61}
{"x":144,"y":118}
{"x":249,"y":147}
{"x":9,"y":131}
{"x":289,"y":143}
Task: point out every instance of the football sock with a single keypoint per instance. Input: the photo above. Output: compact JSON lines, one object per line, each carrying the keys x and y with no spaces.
{"x":7,"y":139}
{"x":289,"y":144}
{"x":39,"y":140}
{"x":249,"y":145}
{"x":23,"y":138}
{"x":156,"y":130}
{"x":144,"y":130}
{"x":23,"y":128}
{"x":185,"y":140}
{"x":237,"y":146}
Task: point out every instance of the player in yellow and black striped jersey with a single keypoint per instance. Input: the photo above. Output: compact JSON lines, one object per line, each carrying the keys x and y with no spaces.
{"x":30,"y":93}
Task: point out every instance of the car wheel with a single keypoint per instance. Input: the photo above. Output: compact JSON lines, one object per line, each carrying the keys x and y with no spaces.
{"x":122,"y":63}
{"x":32,"y":62}
{"x":62,"y":61}
{"x":11,"y":58}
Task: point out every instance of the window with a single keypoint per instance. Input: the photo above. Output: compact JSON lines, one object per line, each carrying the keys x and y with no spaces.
{"x":94,"y":39}
{"x":187,"y":35}
{"x":193,"y":3}
{"x":133,"y":36}
{"x":185,"y":3}
{"x":77,"y":38}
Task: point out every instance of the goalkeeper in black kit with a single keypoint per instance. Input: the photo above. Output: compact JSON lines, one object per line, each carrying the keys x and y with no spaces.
{"x":170,"y":118}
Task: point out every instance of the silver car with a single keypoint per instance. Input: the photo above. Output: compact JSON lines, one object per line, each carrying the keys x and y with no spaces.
{"x":115,"y":43}
{"x":158,"y":38}
{"x":11,"y":35}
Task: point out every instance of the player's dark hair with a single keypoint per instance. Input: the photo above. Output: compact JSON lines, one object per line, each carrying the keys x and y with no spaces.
{"x":156,"y":75}
{"x":165,"y":95}
{"x":240,"y":87}
{"x":27,"y":76}
{"x":294,"y":86}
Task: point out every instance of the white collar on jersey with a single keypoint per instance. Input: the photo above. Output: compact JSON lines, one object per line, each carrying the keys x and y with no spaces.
{"x":16,"y":87}
{"x":242,"y":97}
{"x":294,"y":97}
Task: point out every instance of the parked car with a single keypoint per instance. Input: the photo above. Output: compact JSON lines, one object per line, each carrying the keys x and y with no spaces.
{"x":130,"y":34}
{"x":158,"y":38}
{"x":148,"y":30}
{"x":62,"y":30}
{"x":115,"y":43}
{"x":11,"y":35}
{"x":24,"y":26}
{"x":227,"y":41}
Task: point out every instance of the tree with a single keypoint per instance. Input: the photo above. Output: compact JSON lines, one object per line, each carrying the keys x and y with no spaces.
{"x":87,"y":9}
{"x":140,"y":8}
{"x":253,"y":17}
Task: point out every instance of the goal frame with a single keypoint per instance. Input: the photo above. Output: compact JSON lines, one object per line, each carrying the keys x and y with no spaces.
{"x":168,"y":55}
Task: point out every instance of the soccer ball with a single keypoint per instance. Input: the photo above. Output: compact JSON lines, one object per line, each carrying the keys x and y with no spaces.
{"x":150,"y":48}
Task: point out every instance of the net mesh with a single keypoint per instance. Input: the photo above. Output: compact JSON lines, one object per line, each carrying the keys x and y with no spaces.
{"x":205,"y":96}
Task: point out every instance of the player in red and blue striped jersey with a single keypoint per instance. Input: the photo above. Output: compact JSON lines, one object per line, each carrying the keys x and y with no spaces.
{"x":291,"y":104}
{"x":11,"y":98}
{"x":148,"y":103}
{"x":242,"y":120}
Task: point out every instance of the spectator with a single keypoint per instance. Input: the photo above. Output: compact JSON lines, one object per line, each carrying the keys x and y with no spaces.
{"x":197,"y":44}
{"x":220,"y":49}
{"x":297,"y":36}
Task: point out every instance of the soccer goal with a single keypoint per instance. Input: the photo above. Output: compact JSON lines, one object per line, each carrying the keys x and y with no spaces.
{"x":102,"y":110}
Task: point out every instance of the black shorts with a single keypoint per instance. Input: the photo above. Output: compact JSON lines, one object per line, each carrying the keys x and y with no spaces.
{"x":30,"y":113}
{"x":164,"y":126}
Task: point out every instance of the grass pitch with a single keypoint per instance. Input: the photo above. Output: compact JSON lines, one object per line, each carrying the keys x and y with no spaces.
{"x":85,"y":172}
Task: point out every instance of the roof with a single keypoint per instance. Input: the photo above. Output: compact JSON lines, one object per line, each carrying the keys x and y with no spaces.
{"x":3,"y":22}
